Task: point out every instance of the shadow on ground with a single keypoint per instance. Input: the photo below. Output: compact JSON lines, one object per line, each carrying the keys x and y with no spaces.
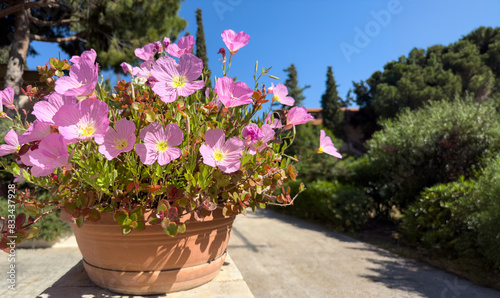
{"x":321,"y":262}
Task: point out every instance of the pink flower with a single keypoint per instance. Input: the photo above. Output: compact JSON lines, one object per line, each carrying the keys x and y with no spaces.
{"x":36,"y":132}
{"x":326,"y":145}
{"x":296,"y":116}
{"x":127,"y":68}
{"x":12,"y":146}
{"x":222,"y":51}
{"x":52,"y":153}
{"x":87,"y":119}
{"x":233,"y":94}
{"x":280,"y":93}
{"x":166,"y":42}
{"x":234,"y":41}
{"x":158,"y":46}
{"x":256,"y":138}
{"x":7,"y":97}
{"x":81,"y":81}
{"x":46,"y":109}
{"x":184,"y":46}
{"x":219,"y":153}
{"x":120,"y":140}
{"x":274,"y":123}
{"x":177,"y":80}
{"x":159,"y":144}
{"x":85,"y":56}
{"x":147,"y":52}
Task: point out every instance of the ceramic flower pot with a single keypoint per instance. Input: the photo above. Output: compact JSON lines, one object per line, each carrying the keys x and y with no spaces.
{"x":151,"y":262}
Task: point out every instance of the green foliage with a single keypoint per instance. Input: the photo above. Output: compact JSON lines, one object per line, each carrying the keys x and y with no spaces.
{"x":487,"y":218}
{"x":201,"y":47}
{"x":344,"y":207}
{"x":331,"y":105}
{"x":116,"y":28}
{"x":113,"y":28}
{"x":292,"y":84}
{"x":459,"y":219}
{"x":469,"y":66}
{"x":436,"y":144}
{"x":438,"y":220}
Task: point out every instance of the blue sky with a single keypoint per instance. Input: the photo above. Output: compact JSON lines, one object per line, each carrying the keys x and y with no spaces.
{"x":356,"y":38}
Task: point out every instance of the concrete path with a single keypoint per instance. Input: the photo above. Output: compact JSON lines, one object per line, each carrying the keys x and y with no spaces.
{"x":280,"y":256}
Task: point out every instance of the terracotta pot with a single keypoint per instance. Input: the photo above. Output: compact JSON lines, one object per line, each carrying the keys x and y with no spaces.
{"x":149,"y":261}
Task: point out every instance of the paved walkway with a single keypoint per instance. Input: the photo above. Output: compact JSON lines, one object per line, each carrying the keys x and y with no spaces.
{"x":279,"y":256}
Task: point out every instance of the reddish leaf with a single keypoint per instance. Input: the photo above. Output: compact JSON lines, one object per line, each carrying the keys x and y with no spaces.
{"x":153,"y":188}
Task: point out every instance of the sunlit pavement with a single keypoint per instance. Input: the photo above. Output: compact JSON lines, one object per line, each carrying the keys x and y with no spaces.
{"x":280,"y":256}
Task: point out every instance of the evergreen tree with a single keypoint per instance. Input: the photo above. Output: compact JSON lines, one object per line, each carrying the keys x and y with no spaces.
{"x":469,"y":66}
{"x":293,"y":85}
{"x":331,"y":104}
{"x":113,"y":28}
{"x":201,"y":47}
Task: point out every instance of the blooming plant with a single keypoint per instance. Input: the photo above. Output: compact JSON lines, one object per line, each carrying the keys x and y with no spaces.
{"x":164,"y":142}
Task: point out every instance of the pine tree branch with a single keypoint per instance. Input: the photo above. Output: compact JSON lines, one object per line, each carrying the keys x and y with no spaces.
{"x":51,"y":24}
{"x":18,"y":7}
{"x":57,"y":39}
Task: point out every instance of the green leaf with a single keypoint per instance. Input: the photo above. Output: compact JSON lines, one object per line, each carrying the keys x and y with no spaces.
{"x":181,"y":228}
{"x":31,"y":233}
{"x":140,"y":226}
{"x":15,"y":168}
{"x":165,"y":222}
{"x":126,"y":230}
{"x":79,"y":221}
{"x":172,"y":229}
{"x":121,"y":217}
{"x":94,"y":216}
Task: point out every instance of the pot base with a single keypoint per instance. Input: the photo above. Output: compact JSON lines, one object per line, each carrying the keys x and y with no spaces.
{"x":165,"y":281}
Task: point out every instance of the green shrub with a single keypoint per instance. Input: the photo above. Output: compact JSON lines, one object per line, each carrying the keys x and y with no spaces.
{"x":345,"y":207}
{"x":418,"y":149}
{"x":486,"y":221}
{"x":459,"y":219}
{"x":438,"y":221}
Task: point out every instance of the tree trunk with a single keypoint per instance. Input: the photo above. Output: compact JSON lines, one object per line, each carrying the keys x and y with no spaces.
{"x":18,"y":52}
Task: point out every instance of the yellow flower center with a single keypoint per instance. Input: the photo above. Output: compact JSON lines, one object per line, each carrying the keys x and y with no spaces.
{"x":161,"y":146}
{"x":259,"y":143}
{"x":179,"y":82}
{"x":276,"y":98}
{"x":320,"y":150}
{"x":219,"y":155}
{"x":86,"y":129}
{"x":121,"y":144}
{"x":18,"y":148}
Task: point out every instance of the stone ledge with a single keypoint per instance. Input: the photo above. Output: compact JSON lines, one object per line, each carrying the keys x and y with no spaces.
{"x":76,"y":283}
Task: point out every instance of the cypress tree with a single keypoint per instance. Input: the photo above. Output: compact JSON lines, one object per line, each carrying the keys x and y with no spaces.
{"x":201,"y":48}
{"x":331,"y":105}
{"x":293,"y":85}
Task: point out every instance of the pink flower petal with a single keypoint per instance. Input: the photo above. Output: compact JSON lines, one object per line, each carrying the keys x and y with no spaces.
{"x":215,"y":138}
